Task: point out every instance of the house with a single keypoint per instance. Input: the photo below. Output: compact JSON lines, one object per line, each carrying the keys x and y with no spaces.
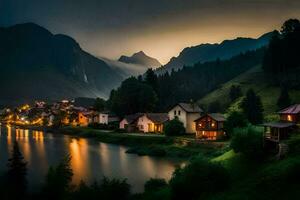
{"x":84,"y":118}
{"x":152,"y":122}
{"x":103,"y":118}
{"x":210,"y":126}
{"x":291,"y":114}
{"x":129,"y":122}
{"x":187,"y":113}
{"x":107,"y":117}
{"x":280,"y":130}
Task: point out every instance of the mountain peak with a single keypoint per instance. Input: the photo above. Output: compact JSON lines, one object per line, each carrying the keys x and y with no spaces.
{"x":140,"y":53}
{"x":140,"y":58}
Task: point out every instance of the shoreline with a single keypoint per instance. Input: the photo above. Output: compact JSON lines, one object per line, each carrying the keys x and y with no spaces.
{"x":182,"y":147}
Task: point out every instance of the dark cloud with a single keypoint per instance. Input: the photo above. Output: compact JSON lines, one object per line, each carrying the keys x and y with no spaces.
{"x":160,"y":27}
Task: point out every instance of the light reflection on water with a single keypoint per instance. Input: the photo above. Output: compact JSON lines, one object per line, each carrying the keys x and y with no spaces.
{"x":91,"y":160}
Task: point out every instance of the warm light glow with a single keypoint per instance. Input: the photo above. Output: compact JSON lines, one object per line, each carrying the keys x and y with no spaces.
{"x":79,"y":154}
{"x":289,"y":118}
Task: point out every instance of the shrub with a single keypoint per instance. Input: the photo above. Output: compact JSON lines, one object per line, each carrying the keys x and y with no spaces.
{"x":198,"y":179}
{"x":155,"y":184}
{"x":248,"y":141}
{"x":108,"y":189}
{"x":234,"y":120}
{"x":99,"y":126}
{"x":114,"y":189}
{"x":174,"y":127}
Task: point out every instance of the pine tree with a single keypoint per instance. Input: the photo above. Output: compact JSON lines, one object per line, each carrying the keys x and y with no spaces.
{"x":252,"y":107}
{"x":58,"y":180}
{"x":151,"y":79}
{"x":284,"y":99}
{"x":16,"y":174}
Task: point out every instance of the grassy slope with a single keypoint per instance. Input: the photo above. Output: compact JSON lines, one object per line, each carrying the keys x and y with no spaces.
{"x":269,"y":179}
{"x":254,"y":78}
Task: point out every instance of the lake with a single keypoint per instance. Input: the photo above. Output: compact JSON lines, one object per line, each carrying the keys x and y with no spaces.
{"x":91,"y":160}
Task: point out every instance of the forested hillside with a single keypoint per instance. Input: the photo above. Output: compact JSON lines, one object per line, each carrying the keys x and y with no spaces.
{"x":279,"y":72}
{"x":187,"y":84}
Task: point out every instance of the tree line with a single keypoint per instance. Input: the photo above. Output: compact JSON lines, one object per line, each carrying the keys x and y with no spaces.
{"x":281,"y":60}
{"x":151,"y":92}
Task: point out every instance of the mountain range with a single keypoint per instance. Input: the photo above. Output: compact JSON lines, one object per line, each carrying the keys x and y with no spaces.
{"x":36,"y":64}
{"x":209,"y":52}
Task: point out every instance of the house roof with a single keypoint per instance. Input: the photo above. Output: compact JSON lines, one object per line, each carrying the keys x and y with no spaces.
{"x":190,"y":108}
{"x":293,"y":109}
{"x":216,"y":116}
{"x":131,"y":118}
{"x":279,"y":124}
{"x":158,"y":117}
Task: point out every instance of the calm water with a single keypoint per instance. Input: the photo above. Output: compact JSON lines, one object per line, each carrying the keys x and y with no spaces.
{"x":91,"y":160}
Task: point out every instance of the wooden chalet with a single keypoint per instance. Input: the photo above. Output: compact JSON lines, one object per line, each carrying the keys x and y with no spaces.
{"x":289,"y":122}
{"x":210,"y":126}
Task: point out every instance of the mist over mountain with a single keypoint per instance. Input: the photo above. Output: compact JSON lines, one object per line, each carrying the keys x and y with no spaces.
{"x":140,"y":58}
{"x":125,"y":69}
{"x":209,"y":52}
{"x":36,"y":64}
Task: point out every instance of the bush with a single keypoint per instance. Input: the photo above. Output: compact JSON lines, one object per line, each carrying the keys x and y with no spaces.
{"x":248,"y":141}
{"x":198,"y":179}
{"x":234,"y":120}
{"x":174,"y":127}
{"x":155,"y":184}
{"x":108,"y":189}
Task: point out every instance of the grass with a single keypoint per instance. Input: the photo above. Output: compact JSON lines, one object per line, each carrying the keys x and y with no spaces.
{"x":226,"y":156}
{"x":255,"y":79}
{"x":265,"y":179}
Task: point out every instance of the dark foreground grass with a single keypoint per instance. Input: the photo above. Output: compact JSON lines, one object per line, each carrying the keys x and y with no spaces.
{"x":265,"y":179}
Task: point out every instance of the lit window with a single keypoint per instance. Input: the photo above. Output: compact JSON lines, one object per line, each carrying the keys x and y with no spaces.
{"x":213,"y":124}
{"x":289,"y":118}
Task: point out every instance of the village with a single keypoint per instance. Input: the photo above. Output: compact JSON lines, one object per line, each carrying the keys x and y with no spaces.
{"x":197,"y":124}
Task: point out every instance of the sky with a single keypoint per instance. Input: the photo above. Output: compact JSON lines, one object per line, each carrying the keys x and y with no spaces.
{"x":160,"y":28}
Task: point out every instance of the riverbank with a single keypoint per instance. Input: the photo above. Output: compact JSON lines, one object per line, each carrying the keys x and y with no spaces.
{"x":183,"y":147}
